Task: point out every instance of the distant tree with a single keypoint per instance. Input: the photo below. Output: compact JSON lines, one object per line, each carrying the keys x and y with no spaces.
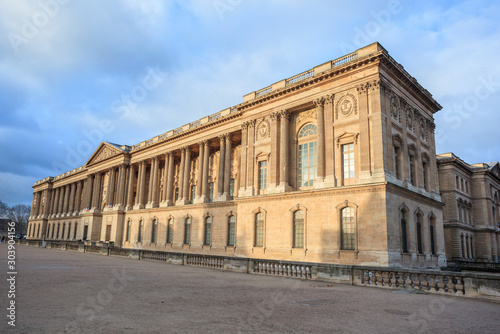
{"x":19,"y":214}
{"x":4,"y":210}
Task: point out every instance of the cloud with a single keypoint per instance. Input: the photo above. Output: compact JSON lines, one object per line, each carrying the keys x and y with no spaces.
{"x":68,"y":76}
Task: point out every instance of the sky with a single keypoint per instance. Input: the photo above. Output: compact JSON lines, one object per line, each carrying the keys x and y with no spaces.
{"x":75,"y":73}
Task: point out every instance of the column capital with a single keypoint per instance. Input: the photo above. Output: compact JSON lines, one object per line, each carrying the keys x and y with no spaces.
{"x":319,"y":102}
{"x":285,"y":114}
{"x":251,"y":123}
{"x":362,"y":88}
{"x":275,"y":116}
{"x":329,"y":98}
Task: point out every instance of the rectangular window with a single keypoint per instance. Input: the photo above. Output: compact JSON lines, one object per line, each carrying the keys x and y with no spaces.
{"x":424,"y":175}
{"x":231,"y":230}
{"x":348,"y":157}
{"x":85,"y":231}
{"x":154,"y":231}
{"x":231,"y":188}
{"x":412,"y":170}
{"x":74,"y":233}
{"x":139,"y":235}
{"x":208,"y":231}
{"x":211,"y":192}
{"x":298,"y":229}
{"x":170,"y":230}
{"x":128,"y":231}
{"x":259,"y":229}
{"x":396,"y":163}
{"x":347,"y":228}
{"x":193,"y":193}
{"x":307,"y":168}
{"x":262,"y":175}
{"x":176,"y":194}
{"x":187,"y":231}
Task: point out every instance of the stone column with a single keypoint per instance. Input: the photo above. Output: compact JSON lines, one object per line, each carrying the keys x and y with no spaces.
{"x":39,"y":203}
{"x":220,"y":177}
{"x":181,"y":175}
{"x":111,"y":186}
{"x":205,"y":197}
{"x":149,"y":199}
{"x":66,"y":199}
{"x":187,"y":172}
{"x":250,"y":159}
{"x":78,"y":197}
{"x":154,"y":183}
{"x":273,"y":166}
{"x":243,"y":163}
{"x":141,"y":185}
{"x":71,"y":200}
{"x":48,"y":203}
{"x":60,"y":205}
{"x":122,"y":177}
{"x":284,"y":151}
{"x":164,"y":198}
{"x":320,"y":109}
{"x":130,"y":189}
{"x":227,"y":168}
{"x":96,"y":194}
{"x":52,"y":201}
{"x":199,"y":179}
{"x":170,"y":178}
{"x":88,"y":192}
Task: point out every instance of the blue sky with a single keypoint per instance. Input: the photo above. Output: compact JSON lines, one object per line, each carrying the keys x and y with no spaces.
{"x":67,"y":67}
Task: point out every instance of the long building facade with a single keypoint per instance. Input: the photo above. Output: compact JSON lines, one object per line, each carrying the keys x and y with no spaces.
{"x":471,"y":215}
{"x":334,"y":165}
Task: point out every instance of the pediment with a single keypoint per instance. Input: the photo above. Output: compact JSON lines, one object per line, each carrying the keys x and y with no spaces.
{"x":495,"y":169}
{"x":103,"y":152}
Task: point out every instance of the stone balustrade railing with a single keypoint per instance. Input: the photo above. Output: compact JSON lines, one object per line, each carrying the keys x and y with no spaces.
{"x":462,"y":284}
{"x":344,"y":60}
{"x":299,"y":77}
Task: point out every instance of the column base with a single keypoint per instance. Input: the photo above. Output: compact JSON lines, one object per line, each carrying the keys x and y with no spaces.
{"x":138,"y":207}
{"x":222,"y":198}
{"x":129,"y":208}
{"x":283,"y":187}
{"x":166,"y":204}
{"x":200,"y":200}
{"x":151,"y":205}
{"x":182,"y":202}
{"x":249,"y":191}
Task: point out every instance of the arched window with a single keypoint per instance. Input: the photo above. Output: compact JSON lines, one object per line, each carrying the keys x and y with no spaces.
{"x":30,"y":229}
{"x":208,"y":230}
{"x":154,"y":231}
{"x":127,"y":234}
{"x":170,"y":230}
{"x":419,"y":234}
{"x":464,"y":251}
{"x":58,"y":228}
{"x":347,"y":228}
{"x":404,"y":236}
{"x":48,"y":231}
{"x":74,"y":232}
{"x":139,"y":235}
{"x":69,"y":231}
{"x":432,"y":236}
{"x":187,"y":231}
{"x":298,"y":229}
{"x":307,"y":155}
{"x":231,"y":229}
{"x":53,"y":228}
{"x":471,"y":247}
{"x":259,"y":230}
{"x":38,"y":231}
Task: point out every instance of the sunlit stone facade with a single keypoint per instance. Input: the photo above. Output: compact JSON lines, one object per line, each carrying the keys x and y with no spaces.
{"x":334,"y":165}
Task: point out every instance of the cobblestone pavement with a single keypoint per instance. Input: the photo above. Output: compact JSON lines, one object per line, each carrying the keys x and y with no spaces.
{"x":69,"y":292}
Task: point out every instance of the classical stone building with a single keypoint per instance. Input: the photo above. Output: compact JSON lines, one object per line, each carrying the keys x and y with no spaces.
{"x":471,"y":214}
{"x":334,"y":165}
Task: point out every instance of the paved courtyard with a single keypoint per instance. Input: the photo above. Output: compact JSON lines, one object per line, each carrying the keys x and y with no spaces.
{"x":69,"y":292}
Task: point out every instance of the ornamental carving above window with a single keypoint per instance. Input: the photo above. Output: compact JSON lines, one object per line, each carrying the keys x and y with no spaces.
{"x":263,"y":130}
{"x":346,"y":106}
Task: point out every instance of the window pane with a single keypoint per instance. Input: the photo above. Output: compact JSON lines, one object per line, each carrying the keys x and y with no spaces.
{"x":298,"y":229}
{"x":259,"y":230}
{"x":231,"y":231}
{"x":347,"y":228}
{"x":307,"y":164}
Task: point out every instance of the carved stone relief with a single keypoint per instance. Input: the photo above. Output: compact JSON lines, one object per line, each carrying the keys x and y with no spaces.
{"x":346,"y":105}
